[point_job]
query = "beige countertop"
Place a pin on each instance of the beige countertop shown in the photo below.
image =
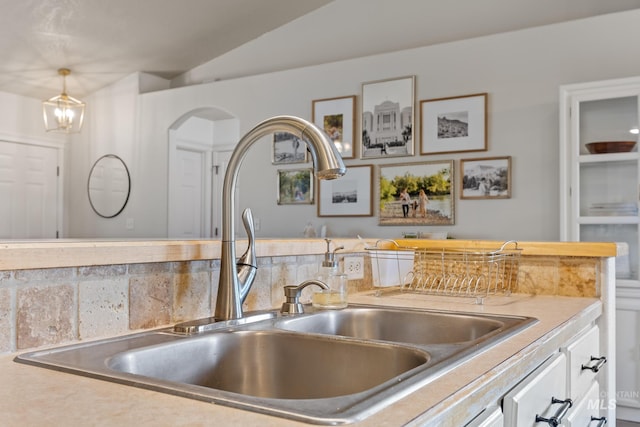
(33, 396)
(18, 255)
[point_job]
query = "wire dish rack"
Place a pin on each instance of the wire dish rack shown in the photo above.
(476, 273)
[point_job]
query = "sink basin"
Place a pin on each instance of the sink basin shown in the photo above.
(325, 367)
(271, 364)
(406, 326)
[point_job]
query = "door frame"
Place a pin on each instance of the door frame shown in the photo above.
(205, 150)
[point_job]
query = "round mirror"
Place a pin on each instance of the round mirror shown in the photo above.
(109, 186)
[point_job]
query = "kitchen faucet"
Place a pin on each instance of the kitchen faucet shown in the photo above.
(236, 278)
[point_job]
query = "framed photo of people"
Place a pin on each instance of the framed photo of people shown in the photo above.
(351, 195)
(337, 117)
(456, 124)
(488, 178)
(387, 118)
(416, 193)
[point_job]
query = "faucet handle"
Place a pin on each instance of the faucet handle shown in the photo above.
(292, 304)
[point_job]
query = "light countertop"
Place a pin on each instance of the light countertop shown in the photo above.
(33, 396)
(18, 255)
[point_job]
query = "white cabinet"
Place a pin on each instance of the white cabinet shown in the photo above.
(584, 361)
(491, 417)
(541, 395)
(599, 192)
(599, 195)
(628, 354)
(564, 390)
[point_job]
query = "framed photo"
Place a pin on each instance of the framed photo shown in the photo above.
(288, 148)
(457, 124)
(351, 195)
(416, 193)
(488, 178)
(337, 116)
(387, 118)
(295, 187)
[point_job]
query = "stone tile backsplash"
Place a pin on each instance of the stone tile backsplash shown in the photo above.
(46, 307)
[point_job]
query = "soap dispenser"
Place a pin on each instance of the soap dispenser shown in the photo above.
(336, 295)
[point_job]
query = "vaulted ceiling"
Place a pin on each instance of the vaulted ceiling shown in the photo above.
(102, 41)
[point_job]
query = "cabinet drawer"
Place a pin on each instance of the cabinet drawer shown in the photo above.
(586, 409)
(489, 418)
(583, 367)
(533, 396)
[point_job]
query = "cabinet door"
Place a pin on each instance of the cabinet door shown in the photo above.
(533, 397)
(628, 351)
(583, 356)
(586, 409)
(599, 168)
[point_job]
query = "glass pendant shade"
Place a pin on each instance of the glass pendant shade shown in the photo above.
(63, 113)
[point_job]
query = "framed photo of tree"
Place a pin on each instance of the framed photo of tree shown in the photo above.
(416, 193)
(295, 187)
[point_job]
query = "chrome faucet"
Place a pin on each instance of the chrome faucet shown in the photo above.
(236, 278)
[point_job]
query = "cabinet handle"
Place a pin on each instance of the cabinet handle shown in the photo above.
(603, 420)
(556, 420)
(595, 368)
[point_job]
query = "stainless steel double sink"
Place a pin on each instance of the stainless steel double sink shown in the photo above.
(323, 367)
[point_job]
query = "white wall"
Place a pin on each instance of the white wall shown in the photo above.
(521, 71)
(109, 128)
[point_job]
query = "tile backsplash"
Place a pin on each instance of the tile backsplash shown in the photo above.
(45, 307)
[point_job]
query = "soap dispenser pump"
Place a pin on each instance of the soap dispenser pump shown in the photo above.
(336, 296)
(330, 257)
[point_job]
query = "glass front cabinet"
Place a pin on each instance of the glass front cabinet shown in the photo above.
(599, 162)
(599, 198)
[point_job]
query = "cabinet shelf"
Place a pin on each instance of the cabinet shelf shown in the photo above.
(609, 157)
(608, 220)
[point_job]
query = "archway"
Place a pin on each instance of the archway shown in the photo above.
(200, 143)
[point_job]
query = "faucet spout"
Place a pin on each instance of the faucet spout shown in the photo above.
(236, 279)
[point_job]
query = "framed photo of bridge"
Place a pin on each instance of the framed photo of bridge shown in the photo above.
(351, 195)
(454, 125)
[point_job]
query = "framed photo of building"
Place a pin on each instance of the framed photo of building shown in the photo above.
(351, 195)
(295, 187)
(288, 148)
(387, 118)
(416, 193)
(488, 178)
(337, 117)
(457, 124)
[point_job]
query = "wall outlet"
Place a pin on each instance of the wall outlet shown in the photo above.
(354, 267)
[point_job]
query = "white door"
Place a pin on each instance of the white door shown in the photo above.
(188, 198)
(28, 191)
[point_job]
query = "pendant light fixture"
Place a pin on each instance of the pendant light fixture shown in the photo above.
(63, 113)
